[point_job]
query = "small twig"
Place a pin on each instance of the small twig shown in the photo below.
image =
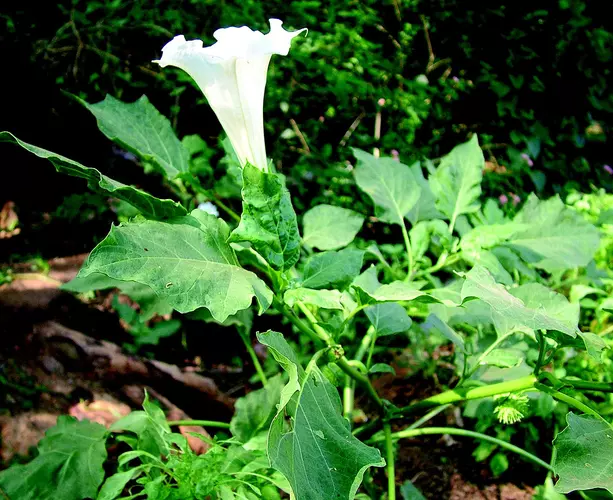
(80, 45)
(431, 56)
(393, 40)
(351, 129)
(301, 137)
(397, 10)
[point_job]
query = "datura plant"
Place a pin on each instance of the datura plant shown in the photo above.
(501, 298)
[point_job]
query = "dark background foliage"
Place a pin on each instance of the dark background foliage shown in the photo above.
(528, 77)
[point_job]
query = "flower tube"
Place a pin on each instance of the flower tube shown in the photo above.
(232, 75)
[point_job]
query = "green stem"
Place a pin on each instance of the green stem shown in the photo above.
(486, 353)
(371, 350)
(569, 400)
(296, 321)
(584, 385)
(362, 380)
(542, 344)
(355, 311)
(348, 396)
(226, 209)
(342, 361)
(452, 223)
(443, 261)
(254, 358)
(429, 431)
(460, 394)
(201, 423)
(407, 244)
(365, 344)
(321, 333)
(389, 453)
(194, 182)
(431, 414)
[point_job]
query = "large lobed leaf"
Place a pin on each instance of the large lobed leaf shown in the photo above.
(142, 130)
(553, 237)
(317, 454)
(268, 220)
(510, 312)
(583, 457)
(456, 184)
(391, 185)
(186, 261)
(327, 227)
(68, 466)
(148, 205)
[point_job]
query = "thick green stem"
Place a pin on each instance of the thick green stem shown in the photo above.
(390, 462)
(200, 423)
(254, 359)
(342, 361)
(429, 431)
(348, 396)
(584, 385)
(407, 244)
(296, 321)
(457, 395)
(362, 380)
(569, 400)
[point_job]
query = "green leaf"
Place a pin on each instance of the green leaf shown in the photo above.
(499, 463)
(115, 484)
(391, 185)
(149, 425)
(396, 291)
(424, 233)
(314, 449)
(388, 318)
(268, 220)
(332, 269)
(409, 492)
(326, 299)
(503, 358)
(456, 184)
(329, 228)
(554, 237)
(510, 312)
(425, 208)
(434, 322)
(186, 261)
(141, 129)
(68, 466)
(255, 411)
(381, 368)
(582, 454)
(537, 296)
(148, 205)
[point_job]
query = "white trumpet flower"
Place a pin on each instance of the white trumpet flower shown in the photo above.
(232, 75)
